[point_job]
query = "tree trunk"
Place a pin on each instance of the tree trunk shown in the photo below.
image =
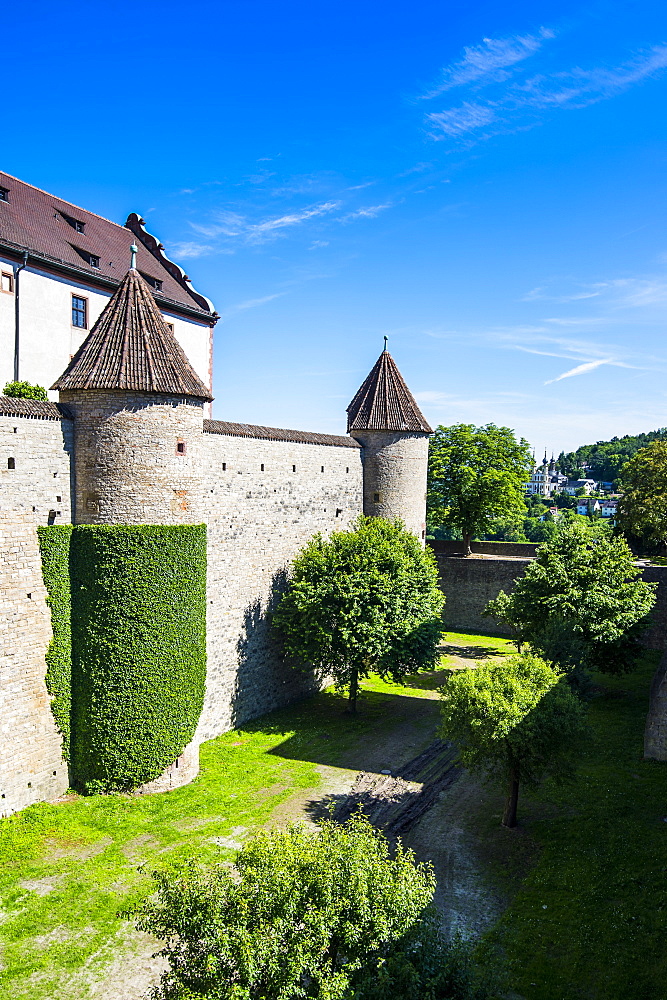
(509, 816)
(354, 691)
(466, 544)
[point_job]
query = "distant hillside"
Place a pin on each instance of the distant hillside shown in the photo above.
(605, 458)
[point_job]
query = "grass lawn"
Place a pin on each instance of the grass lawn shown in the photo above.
(583, 878)
(589, 919)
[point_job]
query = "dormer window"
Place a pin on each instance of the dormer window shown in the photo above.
(155, 283)
(4, 194)
(76, 224)
(91, 259)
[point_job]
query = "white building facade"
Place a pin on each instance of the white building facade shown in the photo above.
(59, 266)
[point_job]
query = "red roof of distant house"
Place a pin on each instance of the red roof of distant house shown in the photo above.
(131, 347)
(47, 227)
(384, 402)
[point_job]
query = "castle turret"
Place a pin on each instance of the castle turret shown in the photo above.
(138, 417)
(385, 419)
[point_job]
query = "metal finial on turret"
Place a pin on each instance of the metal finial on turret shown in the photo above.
(385, 342)
(134, 249)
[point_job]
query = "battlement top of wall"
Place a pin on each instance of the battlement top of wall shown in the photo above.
(35, 409)
(278, 434)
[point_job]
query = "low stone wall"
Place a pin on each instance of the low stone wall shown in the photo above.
(455, 548)
(469, 584)
(655, 734)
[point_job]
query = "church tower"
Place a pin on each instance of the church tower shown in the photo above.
(138, 417)
(385, 419)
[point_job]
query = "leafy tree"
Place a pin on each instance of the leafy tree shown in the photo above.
(24, 390)
(329, 915)
(515, 720)
(642, 510)
(363, 601)
(476, 475)
(580, 602)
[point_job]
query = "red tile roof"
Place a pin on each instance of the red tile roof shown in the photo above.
(41, 223)
(131, 347)
(277, 434)
(384, 402)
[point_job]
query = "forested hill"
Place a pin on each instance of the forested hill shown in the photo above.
(605, 458)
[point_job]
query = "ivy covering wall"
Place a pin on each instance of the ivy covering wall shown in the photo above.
(54, 544)
(138, 646)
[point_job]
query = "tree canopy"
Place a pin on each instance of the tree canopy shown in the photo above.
(363, 601)
(580, 602)
(476, 476)
(328, 915)
(605, 459)
(514, 719)
(642, 510)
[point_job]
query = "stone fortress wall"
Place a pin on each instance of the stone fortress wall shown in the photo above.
(35, 461)
(262, 498)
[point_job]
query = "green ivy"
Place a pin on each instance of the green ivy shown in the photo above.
(137, 648)
(54, 544)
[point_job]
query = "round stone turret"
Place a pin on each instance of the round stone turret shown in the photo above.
(138, 411)
(385, 419)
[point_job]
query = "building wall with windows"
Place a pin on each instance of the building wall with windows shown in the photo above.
(49, 330)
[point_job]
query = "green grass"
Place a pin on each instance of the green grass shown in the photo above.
(585, 875)
(91, 848)
(589, 921)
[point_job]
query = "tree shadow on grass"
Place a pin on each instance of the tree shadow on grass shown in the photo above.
(382, 735)
(472, 652)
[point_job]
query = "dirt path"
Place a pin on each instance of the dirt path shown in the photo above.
(406, 780)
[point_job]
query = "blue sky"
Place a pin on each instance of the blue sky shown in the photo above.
(483, 183)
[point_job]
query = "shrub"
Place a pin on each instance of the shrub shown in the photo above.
(327, 915)
(24, 390)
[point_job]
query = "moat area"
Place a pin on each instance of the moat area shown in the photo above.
(574, 898)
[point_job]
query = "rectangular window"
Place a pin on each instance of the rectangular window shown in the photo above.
(4, 194)
(94, 261)
(80, 312)
(7, 281)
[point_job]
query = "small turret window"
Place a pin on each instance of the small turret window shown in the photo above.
(377, 498)
(180, 447)
(11, 463)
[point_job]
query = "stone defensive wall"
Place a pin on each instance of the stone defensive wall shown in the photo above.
(470, 583)
(264, 492)
(267, 491)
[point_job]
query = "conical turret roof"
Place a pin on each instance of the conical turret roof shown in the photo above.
(130, 347)
(384, 402)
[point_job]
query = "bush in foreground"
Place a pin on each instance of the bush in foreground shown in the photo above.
(331, 915)
(363, 601)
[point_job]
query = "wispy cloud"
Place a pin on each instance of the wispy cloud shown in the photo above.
(234, 226)
(249, 304)
(489, 61)
(189, 249)
(588, 366)
(516, 103)
(368, 212)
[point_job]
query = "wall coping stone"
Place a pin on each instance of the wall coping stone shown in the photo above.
(278, 434)
(36, 409)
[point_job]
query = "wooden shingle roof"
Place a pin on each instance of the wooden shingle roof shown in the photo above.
(384, 402)
(131, 348)
(231, 429)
